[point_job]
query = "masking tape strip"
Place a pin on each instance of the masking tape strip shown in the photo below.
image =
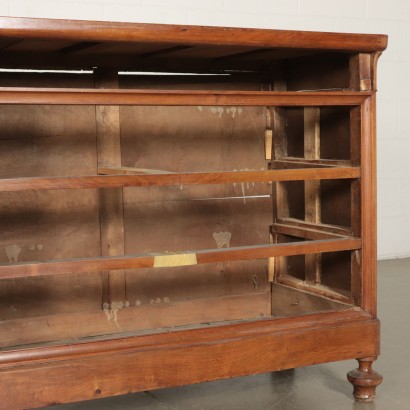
(268, 144)
(181, 259)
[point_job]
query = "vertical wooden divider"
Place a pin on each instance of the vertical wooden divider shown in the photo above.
(311, 123)
(360, 80)
(355, 204)
(360, 72)
(110, 199)
(268, 158)
(277, 115)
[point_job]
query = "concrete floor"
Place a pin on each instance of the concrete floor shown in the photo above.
(311, 388)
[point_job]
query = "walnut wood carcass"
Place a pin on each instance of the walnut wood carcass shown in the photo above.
(181, 204)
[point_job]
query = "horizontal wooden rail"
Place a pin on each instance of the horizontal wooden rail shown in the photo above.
(130, 171)
(192, 178)
(316, 289)
(194, 257)
(199, 336)
(73, 96)
(336, 229)
(285, 164)
(304, 232)
(322, 161)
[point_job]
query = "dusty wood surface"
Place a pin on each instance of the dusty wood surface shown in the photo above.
(111, 200)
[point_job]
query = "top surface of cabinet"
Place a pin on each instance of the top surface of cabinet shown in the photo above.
(47, 43)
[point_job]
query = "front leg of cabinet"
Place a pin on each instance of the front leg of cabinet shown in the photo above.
(364, 380)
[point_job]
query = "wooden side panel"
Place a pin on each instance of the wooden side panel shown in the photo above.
(368, 200)
(356, 205)
(335, 133)
(328, 133)
(295, 131)
(336, 271)
(335, 196)
(335, 144)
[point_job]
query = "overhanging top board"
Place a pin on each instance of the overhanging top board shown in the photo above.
(74, 43)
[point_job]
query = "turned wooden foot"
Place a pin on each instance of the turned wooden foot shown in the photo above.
(364, 380)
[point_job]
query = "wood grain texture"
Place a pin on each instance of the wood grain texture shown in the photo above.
(368, 210)
(364, 380)
(280, 198)
(225, 353)
(326, 162)
(313, 232)
(162, 97)
(120, 170)
(184, 128)
(356, 217)
(360, 77)
(337, 230)
(44, 354)
(203, 256)
(17, 27)
(113, 181)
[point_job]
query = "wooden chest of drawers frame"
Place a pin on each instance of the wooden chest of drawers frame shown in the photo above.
(39, 372)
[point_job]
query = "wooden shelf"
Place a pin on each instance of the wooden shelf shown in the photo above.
(323, 228)
(311, 233)
(185, 258)
(289, 163)
(316, 289)
(159, 179)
